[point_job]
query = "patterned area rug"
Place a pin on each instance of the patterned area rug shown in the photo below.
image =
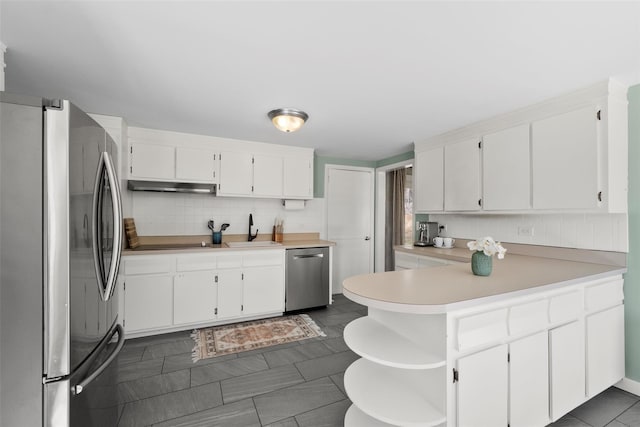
(227, 339)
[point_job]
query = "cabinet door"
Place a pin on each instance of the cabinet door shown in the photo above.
(194, 164)
(567, 369)
(148, 302)
(194, 297)
(483, 388)
(429, 180)
(605, 349)
(267, 175)
(236, 173)
(150, 161)
(229, 293)
(263, 290)
(565, 161)
(529, 381)
(298, 177)
(506, 171)
(462, 176)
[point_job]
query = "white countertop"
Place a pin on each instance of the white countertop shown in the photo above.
(287, 244)
(443, 289)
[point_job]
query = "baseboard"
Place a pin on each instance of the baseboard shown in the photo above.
(628, 385)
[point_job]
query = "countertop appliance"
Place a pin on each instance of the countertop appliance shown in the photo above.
(425, 232)
(306, 278)
(60, 244)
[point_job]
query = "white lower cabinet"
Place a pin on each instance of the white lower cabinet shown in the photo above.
(195, 297)
(406, 261)
(148, 302)
(483, 388)
(170, 292)
(521, 362)
(566, 368)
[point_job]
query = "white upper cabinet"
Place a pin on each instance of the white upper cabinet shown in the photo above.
(236, 173)
(196, 164)
(566, 154)
(429, 180)
(298, 177)
(506, 170)
(152, 161)
(462, 176)
(267, 175)
(565, 161)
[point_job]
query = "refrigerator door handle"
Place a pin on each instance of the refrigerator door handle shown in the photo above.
(116, 329)
(106, 285)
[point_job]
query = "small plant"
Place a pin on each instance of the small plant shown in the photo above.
(488, 246)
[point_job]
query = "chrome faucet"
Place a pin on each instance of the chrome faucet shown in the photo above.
(252, 236)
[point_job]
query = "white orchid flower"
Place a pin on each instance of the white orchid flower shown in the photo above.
(488, 246)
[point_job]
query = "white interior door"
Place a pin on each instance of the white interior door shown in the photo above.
(349, 194)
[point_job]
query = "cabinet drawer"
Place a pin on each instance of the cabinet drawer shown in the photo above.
(229, 261)
(195, 262)
(263, 259)
(565, 307)
(482, 328)
(148, 265)
(528, 317)
(603, 295)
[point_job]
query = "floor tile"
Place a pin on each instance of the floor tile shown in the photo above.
(569, 421)
(238, 414)
(130, 354)
(327, 416)
(631, 417)
(168, 349)
(605, 407)
(158, 339)
(171, 405)
(239, 388)
(336, 344)
(153, 386)
(178, 362)
(227, 369)
(616, 423)
(291, 401)
(326, 365)
(298, 353)
(338, 379)
(137, 370)
(289, 422)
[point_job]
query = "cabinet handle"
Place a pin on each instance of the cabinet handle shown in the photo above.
(367, 238)
(599, 196)
(480, 202)
(216, 279)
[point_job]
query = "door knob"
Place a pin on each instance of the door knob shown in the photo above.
(367, 238)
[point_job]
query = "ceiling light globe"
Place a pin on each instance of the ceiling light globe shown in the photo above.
(288, 119)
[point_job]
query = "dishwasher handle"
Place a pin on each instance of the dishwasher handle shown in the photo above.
(308, 256)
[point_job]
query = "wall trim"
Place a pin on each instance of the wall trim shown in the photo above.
(629, 386)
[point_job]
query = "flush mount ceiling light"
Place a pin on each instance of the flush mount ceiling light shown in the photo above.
(288, 119)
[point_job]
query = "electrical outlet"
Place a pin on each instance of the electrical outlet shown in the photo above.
(525, 230)
(442, 228)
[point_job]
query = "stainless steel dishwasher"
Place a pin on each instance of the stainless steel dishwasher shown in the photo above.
(307, 278)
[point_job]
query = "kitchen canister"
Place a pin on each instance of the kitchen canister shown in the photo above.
(481, 264)
(217, 237)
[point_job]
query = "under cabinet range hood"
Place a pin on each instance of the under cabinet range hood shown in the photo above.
(171, 187)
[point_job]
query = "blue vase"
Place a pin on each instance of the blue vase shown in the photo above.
(481, 264)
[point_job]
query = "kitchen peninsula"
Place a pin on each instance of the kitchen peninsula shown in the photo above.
(524, 346)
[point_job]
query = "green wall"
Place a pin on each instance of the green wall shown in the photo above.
(395, 159)
(632, 278)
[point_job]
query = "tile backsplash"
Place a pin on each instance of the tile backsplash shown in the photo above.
(606, 232)
(161, 214)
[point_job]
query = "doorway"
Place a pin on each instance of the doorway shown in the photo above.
(394, 212)
(349, 191)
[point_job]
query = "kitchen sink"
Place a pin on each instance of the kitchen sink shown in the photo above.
(253, 244)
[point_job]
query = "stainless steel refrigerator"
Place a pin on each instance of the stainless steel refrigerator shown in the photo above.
(60, 246)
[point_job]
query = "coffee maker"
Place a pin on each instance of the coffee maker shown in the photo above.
(425, 232)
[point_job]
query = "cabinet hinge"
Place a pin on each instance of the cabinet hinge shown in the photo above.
(220, 157)
(124, 322)
(480, 144)
(214, 157)
(214, 174)
(216, 280)
(130, 169)
(242, 276)
(455, 375)
(599, 115)
(253, 160)
(215, 311)
(131, 150)
(124, 286)
(252, 188)
(508, 357)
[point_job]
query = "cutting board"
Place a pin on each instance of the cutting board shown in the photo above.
(131, 233)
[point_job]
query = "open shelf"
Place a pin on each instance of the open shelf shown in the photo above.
(377, 343)
(356, 418)
(396, 396)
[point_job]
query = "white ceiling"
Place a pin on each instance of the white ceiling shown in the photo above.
(373, 76)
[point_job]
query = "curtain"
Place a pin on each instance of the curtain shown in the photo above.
(394, 227)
